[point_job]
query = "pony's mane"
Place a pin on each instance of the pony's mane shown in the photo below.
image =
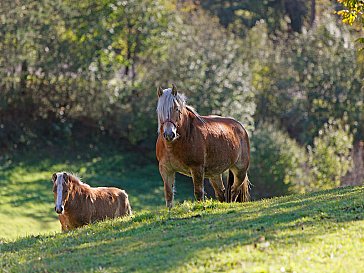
(76, 180)
(165, 106)
(194, 112)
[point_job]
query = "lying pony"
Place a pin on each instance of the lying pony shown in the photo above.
(78, 204)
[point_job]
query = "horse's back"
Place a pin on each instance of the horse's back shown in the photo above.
(223, 131)
(224, 124)
(226, 141)
(111, 202)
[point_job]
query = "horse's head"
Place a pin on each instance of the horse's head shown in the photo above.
(61, 189)
(169, 109)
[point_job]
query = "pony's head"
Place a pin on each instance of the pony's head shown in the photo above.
(61, 190)
(169, 109)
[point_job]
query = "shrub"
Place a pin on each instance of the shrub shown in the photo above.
(330, 155)
(276, 162)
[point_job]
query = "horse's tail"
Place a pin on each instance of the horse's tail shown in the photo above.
(128, 207)
(124, 207)
(244, 195)
(230, 183)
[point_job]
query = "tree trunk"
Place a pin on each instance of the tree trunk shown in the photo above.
(313, 13)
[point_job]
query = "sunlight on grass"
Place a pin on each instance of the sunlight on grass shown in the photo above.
(319, 232)
(26, 198)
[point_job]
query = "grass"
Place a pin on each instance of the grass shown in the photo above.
(317, 232)
(26, 198)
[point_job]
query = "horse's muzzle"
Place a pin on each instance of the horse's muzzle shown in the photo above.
(59, 210)
(169, 136)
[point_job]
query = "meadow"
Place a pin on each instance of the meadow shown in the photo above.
(26, 198)
(317, 232)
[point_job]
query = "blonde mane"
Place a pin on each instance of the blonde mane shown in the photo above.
(165, 105)
(75, 180)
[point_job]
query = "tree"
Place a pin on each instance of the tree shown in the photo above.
(280, 15)
(353, 12)
(207, 63)
(276, 163)
(308, 79)
(330, 157)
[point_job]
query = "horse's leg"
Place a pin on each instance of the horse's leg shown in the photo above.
(198, 178)
(240, 186)
(218, 185)
(168, 180)
(63, 221)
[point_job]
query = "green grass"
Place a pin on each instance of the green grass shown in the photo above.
(317, 232)
(320, 232)
(26, 198)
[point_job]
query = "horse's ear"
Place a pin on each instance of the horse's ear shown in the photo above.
(54, 177)
(65, 177)
(174, 90)
(159, 91)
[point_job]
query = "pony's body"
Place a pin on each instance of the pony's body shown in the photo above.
(204, 146)
(83, 204)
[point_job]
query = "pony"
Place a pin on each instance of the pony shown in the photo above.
(200, 147)
(78, 204)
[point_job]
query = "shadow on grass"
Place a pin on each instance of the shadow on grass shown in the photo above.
(154, 242)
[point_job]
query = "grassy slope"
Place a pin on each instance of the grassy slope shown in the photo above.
(320, 232)
(26, 198)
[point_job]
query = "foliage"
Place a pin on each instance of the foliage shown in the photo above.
(330, 156)
(85, 70)
(354, 11)
(303, 233)
(280, 15)
(276, 163)
(208, 65)
(305, 82)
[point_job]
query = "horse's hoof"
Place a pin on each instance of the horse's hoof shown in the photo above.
(169, 205)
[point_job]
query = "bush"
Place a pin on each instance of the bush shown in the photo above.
(330, 156)
(210, 66)
(310, 77)
(276, 163)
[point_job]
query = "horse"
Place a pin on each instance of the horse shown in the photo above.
(78, 204)
(200, 146)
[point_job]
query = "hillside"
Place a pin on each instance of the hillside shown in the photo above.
(319, 232)
(26, 198)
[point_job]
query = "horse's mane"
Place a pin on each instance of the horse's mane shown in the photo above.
(75, 180)
(194, 112)
(165, 106)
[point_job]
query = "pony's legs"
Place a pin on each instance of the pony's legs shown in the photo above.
(168, 180)
(218, 185)
(63, 221)
(240, 186)
(198, 178)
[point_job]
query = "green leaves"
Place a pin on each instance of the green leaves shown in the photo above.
(330, 155)
(353, 12)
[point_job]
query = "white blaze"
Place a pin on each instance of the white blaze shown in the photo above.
(59, 190)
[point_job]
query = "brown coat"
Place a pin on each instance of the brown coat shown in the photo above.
(206, 146)
(84, 204)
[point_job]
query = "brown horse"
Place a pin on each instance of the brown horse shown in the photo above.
(78, 204)
(200, 146)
